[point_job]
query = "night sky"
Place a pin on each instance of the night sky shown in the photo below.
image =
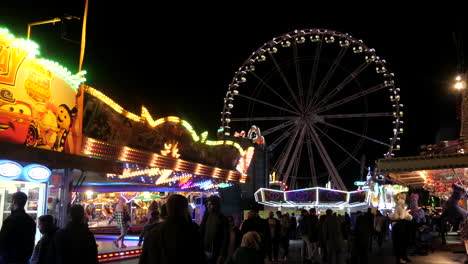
(180, 61)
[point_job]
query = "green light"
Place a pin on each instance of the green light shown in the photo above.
(33, 50)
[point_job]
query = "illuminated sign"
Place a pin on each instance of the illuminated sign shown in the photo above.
(134, 173)
(129, 196)
(360, 183)
(38, 98)
(10, 170)
(36, 173)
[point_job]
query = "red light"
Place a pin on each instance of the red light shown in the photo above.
(99, 256)
(105, 256)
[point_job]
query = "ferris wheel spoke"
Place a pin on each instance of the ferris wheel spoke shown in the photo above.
(350, 98)
(363, 115)
(275, 92)
(265, 103)
(277, 141)
(298, 76)
(286, 154)
(333, 172)
(329, 74)
(285, 79)
(337, 144)
(356, 134)
(345, 82)
(266, 118)
(313, 75)
(295, 159)
(278, 127)
(310, 151)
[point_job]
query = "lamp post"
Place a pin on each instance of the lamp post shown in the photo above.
(57, 19)
(460, 85)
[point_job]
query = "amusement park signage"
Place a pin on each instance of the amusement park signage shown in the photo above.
(38, 99)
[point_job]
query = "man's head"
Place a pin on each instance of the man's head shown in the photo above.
(77, 213)
(278, 214)
(213, 204)
(312, 211)
(155, 215)
(329, 212)
(304, 212)
(177, 206)
(271, 214)
(252, 214)
(18, 200)
(46, 223)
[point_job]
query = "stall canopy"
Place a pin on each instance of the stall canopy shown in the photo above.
(435, 173)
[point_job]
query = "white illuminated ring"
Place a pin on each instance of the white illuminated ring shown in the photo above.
(36, 173)
(10, 170)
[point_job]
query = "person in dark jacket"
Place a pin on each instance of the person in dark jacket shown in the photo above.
(42, 254)
(275, 230)
(17, 233)
(255, 223)
(175, 240)
(214, 230)
(74, 243)
(235, 236)
(153, 221)
(362, 231)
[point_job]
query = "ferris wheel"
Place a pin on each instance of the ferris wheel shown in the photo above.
(323, 101)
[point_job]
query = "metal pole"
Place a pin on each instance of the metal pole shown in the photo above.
(83, 36)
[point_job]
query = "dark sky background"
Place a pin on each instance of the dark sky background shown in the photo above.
(179, 61)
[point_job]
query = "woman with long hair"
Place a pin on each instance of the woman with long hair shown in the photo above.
(122, 217)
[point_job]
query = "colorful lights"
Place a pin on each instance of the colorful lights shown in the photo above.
(104, 150)
(316, 196)
(146, 117)
(32, 50)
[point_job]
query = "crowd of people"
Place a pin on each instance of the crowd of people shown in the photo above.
(170, 235)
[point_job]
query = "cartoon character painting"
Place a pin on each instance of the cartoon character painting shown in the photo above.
(65, 117)
(15, 122)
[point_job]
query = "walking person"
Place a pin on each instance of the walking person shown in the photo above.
(275, 228)
(74, 243)
(313, 232)
(175, 240)
(379, 222)
(362, 231)
(284, 235)
(17, 233)
(214, 229)
(303, 230)
(47, 227)
(235, 236)
(293, 226)
(122, 217)
(334, 238)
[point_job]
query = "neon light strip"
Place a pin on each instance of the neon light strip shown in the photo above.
(92, 147)
(146, 117)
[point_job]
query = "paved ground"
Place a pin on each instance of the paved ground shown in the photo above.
(451, 253)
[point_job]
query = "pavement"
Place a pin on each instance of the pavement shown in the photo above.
(453, 252)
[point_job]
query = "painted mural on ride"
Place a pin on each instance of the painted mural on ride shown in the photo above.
(38, 98)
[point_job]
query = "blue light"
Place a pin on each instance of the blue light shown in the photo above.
(36, 173)
(10, 170)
